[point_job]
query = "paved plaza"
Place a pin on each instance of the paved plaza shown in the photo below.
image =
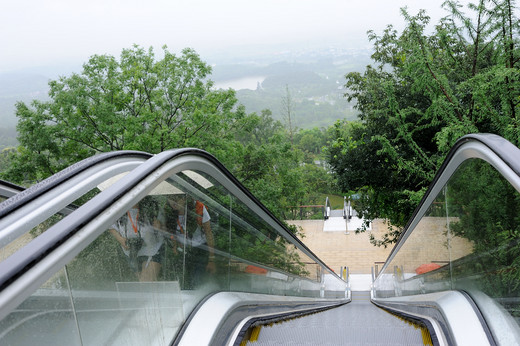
(339, 245)
(344, 247)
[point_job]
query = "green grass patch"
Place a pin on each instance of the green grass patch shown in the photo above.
(336, 201)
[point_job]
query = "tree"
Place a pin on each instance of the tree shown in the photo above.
(134, 103)
(287, 111)
(141, 103)
(483, 207)
(278, 180)
(311, 142)
(424, 92)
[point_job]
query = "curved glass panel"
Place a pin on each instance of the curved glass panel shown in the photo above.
(139, 280)
(467, 240)
(43, 211)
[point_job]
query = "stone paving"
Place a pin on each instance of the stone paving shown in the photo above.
(342, 248)
(428, 243)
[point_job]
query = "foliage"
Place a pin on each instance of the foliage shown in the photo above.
(281, 180)
(134, 103)
(142, 103)
(424, 92)
(486, 209)
(311, 142)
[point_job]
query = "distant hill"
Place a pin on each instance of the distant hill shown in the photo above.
(315, 85)
(315, 82)
(17, 84)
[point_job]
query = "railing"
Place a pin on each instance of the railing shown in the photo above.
(305, 212)
(461, 249)
(347, 208)
(326, 211)
(207, 248)
(8, 189)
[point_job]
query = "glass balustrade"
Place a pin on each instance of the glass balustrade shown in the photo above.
(467, 240)
(143, 275)
(32, 216)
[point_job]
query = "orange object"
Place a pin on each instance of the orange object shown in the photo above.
(427, 267)
(199, 210)
(255, 270)
(132, 221)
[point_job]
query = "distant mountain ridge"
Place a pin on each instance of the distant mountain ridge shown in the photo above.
(316, 87)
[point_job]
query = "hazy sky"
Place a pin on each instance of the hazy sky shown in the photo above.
(42, 32)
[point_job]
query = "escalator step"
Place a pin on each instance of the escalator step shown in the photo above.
(357, 323)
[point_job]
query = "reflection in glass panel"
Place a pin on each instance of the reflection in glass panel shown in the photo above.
(24, 238)
(487, 208)
(189, 237)
(126, 285)
(268, 262)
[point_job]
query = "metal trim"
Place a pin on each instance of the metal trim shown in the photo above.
(451, 313)
(59, 178)
(32, 208)
(224, 314)
(8, 189)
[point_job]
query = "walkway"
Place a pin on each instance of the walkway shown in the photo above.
(342, 248)
(336, 222)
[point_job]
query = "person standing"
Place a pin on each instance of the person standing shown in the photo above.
(140, 242)
(194, 237)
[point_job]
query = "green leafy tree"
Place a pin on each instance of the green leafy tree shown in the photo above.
(484, 208)
(134, 103)
(138, 102)
(268, 164)
(311, 142)
(424, 92)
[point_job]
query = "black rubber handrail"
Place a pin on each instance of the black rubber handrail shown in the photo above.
(26, 196)
(21, 261)
(12, 186)
(17, 189)
(504, 149)
(8, 189)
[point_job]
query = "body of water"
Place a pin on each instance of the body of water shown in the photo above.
(250, 82)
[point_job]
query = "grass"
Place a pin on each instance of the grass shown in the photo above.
(336, 201)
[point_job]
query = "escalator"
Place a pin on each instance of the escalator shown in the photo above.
(63, 276)
(357, 323)
(224, 270)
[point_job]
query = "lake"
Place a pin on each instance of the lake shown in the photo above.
(249, 82)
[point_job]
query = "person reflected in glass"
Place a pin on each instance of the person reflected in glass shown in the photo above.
(140, 242)
(193, 235)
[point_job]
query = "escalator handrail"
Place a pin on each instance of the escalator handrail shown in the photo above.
(14, 188)
(326, 212)
(501, 147)
(21, 261)
(27, 195)
(8, 189)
